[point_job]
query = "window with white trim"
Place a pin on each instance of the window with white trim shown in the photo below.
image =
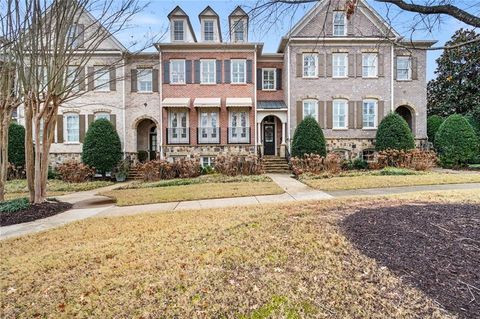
(369, 113)
(310, 62)
(339, 23)
(238, 31)
(310, 108)
(369, 65)
(239, 70)
(178, 30)
(239, 129)
(404, 68)
(145, 80)
(340, 65)
(178, 130)
(208, 161)
(269, 79)
(208, 30)
(177, 71)
(72, 74)
(208, 128)
(340, 114)
(101, 80)
(207, 74)
(72, 127)
(102, 115)
(73, 36)
(42, 77)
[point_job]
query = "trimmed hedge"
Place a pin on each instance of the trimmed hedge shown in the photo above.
(456, 142)
(102, 148)
(308, 139)
(394, 133)
(433, 124)
(16, 145)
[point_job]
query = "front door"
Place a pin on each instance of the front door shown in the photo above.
(269, 139)
(153, 144)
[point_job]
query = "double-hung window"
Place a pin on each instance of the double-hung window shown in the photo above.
(178, 30)
(340, 65)
(404, 69)
(178, 129)
(102, 115)
(208, 161)
(208, 130)
(239, 131)
(310, 108)
(369, 111)
(72, 79)
(101, 79)
(72, 127)
(207, 71)
(310, 61)
(369, 65)
(238, 31)
(208, 30)
(144, 80)
(340, 114)
(268, 79)
(177, 71)
(239, 70)
(339, 23)
(73, 36)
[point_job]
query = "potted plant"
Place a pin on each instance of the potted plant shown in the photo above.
(121, 171)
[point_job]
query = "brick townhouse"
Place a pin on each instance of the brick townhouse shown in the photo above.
(215, 92)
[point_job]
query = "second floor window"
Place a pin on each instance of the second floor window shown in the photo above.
(340, 65)
(208, 33)
(144, 80)
(310, 65)
(72, 74)
(238, 71)
(101, 79)
(178, 31)
(369, 65)
(238, 29)
(268, 81)
(207, 71)
(72, 128)
(177, 71)
(339, 25)
(340, 114)
(404, 71)
(74, 36)
(369, 113)
(310, 109)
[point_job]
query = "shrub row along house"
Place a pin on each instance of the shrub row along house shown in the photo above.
(204, 95)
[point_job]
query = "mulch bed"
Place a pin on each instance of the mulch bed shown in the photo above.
(34, 212)
(436, 248)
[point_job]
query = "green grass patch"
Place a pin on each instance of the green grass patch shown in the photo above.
(395, 171)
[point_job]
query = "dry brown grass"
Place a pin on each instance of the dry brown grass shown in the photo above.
(376, 181)
(150, 195)
(284, 261)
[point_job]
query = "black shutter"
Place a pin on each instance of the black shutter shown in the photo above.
(197, 71)
(226, 73)
(188, 71)
(166, 72)
(219, 71)
(155, 80)
(279, 79)
(259, 79)
(249, 71)
(133, 80)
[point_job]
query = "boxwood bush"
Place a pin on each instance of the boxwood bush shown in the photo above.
(433, 124)
(394, 133)
(456, 142)
(308, 139)
(16, 145)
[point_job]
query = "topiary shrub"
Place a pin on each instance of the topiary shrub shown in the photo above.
(456, 142)
(394, 133)
(433, 123)
(475, 123)
(102, 148)
(16, 145)
(308, 139)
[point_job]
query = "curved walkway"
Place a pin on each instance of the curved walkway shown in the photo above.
(88, 204)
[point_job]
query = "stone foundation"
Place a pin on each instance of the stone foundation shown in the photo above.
(58, 158)
(171, 151)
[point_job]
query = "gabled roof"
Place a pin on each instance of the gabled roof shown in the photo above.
(209, 12)
(238, 12)
(178, 12)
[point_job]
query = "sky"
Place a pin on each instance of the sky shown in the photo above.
(153, 22)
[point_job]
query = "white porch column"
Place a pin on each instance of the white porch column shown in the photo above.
(283, 145)
(259, 133)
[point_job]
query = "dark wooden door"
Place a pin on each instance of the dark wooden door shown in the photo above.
(153, 145)
(269, 139)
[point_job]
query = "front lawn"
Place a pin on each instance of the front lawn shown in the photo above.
(202, 187)
(280, 261)
(374, 179)
(18, 188)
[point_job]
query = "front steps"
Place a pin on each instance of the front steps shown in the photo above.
(134, 174)
(275, 164)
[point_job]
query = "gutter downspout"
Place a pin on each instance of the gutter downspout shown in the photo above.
(254, 71)
(392, 77)
(123, 109)
(160, 78)
(288, 96)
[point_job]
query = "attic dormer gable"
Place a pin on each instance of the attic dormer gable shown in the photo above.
(210, 25)
(180, 27)
(238, 24)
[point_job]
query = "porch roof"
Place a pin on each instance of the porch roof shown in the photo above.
(271, 105)
(207, 102)
(239, 102)
(176, 102)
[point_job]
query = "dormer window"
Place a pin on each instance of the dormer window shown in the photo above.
(178, 30)
(208, 30)
(339, 23)
(238, 31)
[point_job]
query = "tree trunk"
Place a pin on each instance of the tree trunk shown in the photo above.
(29, 155)
(5, 115)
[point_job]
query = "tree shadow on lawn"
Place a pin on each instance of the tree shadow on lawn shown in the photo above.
(436, 248)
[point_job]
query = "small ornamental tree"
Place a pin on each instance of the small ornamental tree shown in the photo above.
(308, 139)
(16, 145)
(456, 142)
(433, 123)
(394, 133)
(102, 148)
